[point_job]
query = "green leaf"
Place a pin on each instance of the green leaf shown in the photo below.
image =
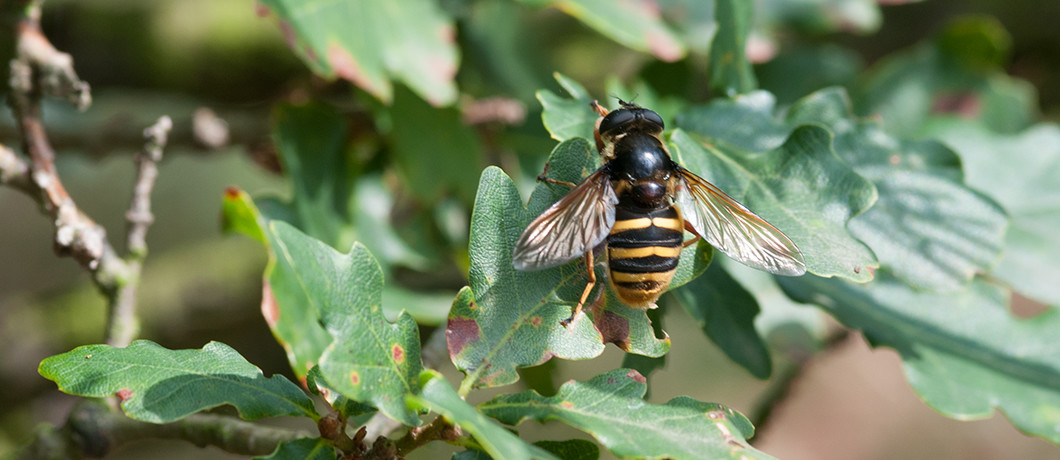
(370, 360)
(571, 449)
(311, 141)
(303, 449)
(568, 117)
(745, 122)
(500, 321)
(641, 363)
(730, 70)
(726, 312)
(507, 318)
(820, 16)
(937, 80)
(801, 187)
(963, 352)
(931, 230)
(471, 454)
(507, 52)
(330, 199)
(693, 21)
(804, 69)
(370, 43)
(439, 397)
(288, 309)
(435, 151)
(343, 405)
(372, 227)
(1020, 172)
(792, 330)
(637, 25)
(610, 408)
(159, 385)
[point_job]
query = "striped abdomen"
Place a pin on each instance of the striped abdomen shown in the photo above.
(643, 249)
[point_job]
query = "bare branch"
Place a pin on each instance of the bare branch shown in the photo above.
(94, 430)
(139, 215)
(76, 234)
(123, 324)
(55, 68)
(14, 172)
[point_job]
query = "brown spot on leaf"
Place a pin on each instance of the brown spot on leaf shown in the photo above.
(535, 321)
(347, 67)
(124, 394)
(964, 104)
(664, 46)
(613, 329)
(355, 378)
(269, 308)
(231, 193)
(547, 355)
(458, 333)
(759, 50)
(261, 10)
(636, 376)
(289, 37)
(567, 405)
(398, 353)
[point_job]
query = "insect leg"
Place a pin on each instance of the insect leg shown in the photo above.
(541, 177)
(588, 288)
(596, 127)
(598, 108)
(695, 236)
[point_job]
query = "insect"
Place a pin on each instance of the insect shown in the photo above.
(637, 207)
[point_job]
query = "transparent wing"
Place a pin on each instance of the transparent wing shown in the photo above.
(733, 229)
(570, 227)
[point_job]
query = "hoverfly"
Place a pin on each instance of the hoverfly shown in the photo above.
(637, 206)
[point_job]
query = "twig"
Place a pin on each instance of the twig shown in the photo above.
(94, 430)
(14, 172)
(439, 428)
(38, 70)
(55, 69)
(139, 215)
(123, 325)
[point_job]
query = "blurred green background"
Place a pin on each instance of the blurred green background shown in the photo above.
(145, 59)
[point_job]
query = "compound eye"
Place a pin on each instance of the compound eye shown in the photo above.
(616, 119)
(651, 117)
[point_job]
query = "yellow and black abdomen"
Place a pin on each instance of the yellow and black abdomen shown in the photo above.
(643, 249)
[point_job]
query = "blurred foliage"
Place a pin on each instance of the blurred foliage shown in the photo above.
(914, 170)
